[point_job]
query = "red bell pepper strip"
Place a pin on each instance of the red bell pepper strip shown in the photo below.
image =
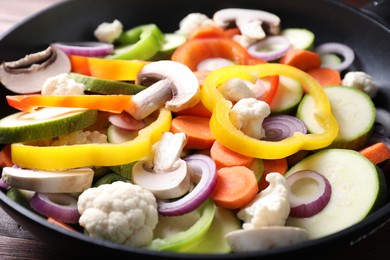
(109, 103)
(197, 49)
(212, 42)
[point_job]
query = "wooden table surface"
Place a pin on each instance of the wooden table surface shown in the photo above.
(17, 243)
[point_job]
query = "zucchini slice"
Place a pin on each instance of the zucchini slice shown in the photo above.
(44, 123)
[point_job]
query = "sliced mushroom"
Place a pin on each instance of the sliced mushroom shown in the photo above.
(28, 74)
(170, 83)
(168, 176)
(252, 23)
(265, 238)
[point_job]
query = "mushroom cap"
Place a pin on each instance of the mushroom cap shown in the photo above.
(248, 21)
(185, 87)
(41, 65)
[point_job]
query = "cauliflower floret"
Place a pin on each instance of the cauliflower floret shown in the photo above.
(109, 32)
(270, 207)
(81, 137)
(248, 114)
(362, 81)
(120, 212)
(192, 22)
(235, 89)
(62, 84)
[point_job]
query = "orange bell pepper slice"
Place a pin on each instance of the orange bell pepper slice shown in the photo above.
(109, 69)
(109, 103)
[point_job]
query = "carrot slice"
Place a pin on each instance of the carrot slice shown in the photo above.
(275, 165)
(301, 59)
(376, 153)
(236, 187)
(197, 129)
(61, 224)
(224, 157)
(326, 76)
(198, 110)
(5, 156)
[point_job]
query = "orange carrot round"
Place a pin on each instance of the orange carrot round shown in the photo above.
(198, 110)
(326, 76)
(197, 129)
(236, 187)
(224, 157)
(301, 59)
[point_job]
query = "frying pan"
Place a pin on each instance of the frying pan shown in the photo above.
(363, 30)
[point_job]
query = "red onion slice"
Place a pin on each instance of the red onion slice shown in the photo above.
(90, 49)
(279, 127)
(126, 122)
(199, 164)
(271, 48)
(343, 50)
(59, 206)
(4, 186)
(310, 192)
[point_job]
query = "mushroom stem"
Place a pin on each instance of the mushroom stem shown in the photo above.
(169, 175)
(168, 151)
(150, 99)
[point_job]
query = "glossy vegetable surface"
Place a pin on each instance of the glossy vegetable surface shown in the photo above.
(204, 6)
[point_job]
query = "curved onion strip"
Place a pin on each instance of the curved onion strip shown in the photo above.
(279, 127)
(59, 206)
(271, 48)
(340, 49)
(126, 122)
(90, 49)
(4, 186)
(198, 164)
(310, 192)
(383, 119)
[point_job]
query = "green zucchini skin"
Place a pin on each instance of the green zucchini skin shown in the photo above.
(70, 120)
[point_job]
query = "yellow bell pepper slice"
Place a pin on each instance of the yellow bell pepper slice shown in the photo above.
(84, 155)
(225, 132)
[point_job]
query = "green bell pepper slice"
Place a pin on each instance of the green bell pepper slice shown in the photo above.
(139, 43)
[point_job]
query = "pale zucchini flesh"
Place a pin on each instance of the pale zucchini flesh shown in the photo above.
(353, 109)
(44, 123)
(357, 189)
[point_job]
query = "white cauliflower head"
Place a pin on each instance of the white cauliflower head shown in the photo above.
(362, 81)
(192, 22)
(270, 207)
(248, 115)
(120, 212)
(80, 137)
(62, 84)
(235, 89)
(109, 32)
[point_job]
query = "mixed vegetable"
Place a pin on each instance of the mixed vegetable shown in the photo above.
(231, 134)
